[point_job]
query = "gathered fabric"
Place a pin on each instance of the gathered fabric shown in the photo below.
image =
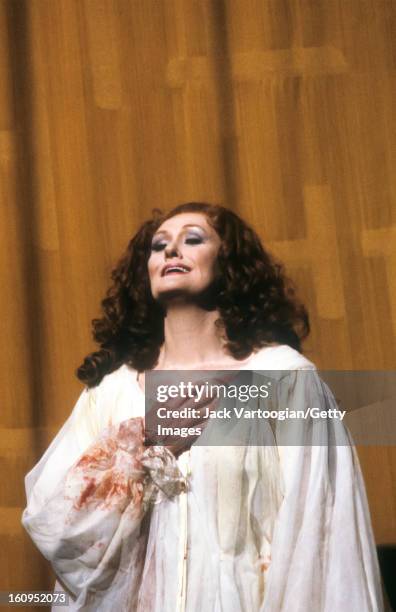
(279, 523)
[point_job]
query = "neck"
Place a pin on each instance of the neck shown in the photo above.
(190, 338)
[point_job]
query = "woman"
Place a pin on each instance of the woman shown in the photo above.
(256, 527)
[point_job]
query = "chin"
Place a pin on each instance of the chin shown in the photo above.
(204, 298)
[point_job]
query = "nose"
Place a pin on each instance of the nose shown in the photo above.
(171, 249)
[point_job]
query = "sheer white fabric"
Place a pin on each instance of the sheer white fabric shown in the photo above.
(250, 528)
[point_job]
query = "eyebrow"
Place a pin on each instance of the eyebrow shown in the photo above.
(185, 225)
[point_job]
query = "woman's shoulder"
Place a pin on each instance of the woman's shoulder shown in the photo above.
(115, 398)
(281, 357)
(119, 385)
(123, 376)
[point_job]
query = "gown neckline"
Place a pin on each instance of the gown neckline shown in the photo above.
(244, 365)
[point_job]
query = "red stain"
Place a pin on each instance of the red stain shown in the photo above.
(103, 485)
(111, 486)
(264, 563)
(131, 430)
(97, 455)
(137, 491)
(109, 491)
(88, 491)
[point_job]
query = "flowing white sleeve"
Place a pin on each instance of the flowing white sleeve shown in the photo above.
(87, 505)
(323, 556)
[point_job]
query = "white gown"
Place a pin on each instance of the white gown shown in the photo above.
(233, 528)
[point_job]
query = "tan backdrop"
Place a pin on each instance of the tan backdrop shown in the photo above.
(279, 109)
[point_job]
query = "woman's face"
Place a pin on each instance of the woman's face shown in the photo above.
(185, 240)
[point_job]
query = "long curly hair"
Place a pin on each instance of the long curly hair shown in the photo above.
(256, 301)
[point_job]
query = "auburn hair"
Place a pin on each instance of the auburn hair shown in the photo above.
(256, 301)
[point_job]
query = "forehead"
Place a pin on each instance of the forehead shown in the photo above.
(177, 222)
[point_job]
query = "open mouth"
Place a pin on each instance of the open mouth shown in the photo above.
(176, 270)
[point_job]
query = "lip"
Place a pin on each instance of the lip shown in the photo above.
(173, 265)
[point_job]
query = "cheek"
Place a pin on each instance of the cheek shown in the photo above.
(150, 269)
(210, 262)
(151, 263)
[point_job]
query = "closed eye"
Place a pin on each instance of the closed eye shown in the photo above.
(158, 246)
